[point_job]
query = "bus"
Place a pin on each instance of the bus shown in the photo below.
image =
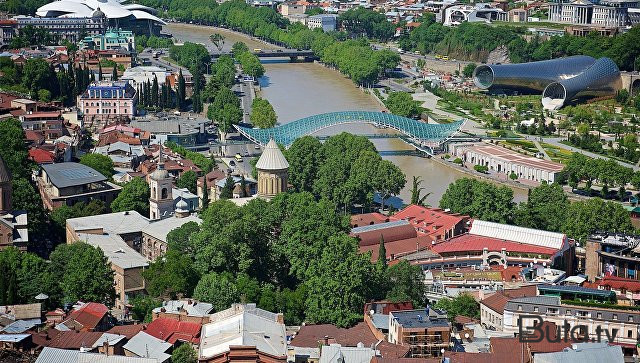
(257, 50)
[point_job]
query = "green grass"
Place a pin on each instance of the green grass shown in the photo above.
(557, 154)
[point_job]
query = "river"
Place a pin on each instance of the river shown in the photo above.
(298, 90)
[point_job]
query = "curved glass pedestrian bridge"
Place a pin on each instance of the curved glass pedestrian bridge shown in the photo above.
(417, 133)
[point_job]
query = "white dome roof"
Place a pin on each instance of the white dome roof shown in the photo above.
(182, 206)
(112, 9)
(272, 158)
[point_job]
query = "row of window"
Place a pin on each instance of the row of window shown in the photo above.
(579, 313)
(104, 104)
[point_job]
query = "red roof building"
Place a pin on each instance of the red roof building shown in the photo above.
(41, 156)
(171, 330)
(470, 244)
(434, 222)
(89, 317)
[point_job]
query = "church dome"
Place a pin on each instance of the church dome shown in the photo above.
(272, 158)
(98, 13)
(5, 174)
(159, 174)
(182, 206)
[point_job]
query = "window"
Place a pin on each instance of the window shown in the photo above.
(553, 311)
(630, 319)
(629, 333)
(568, 312)
(599, 315)
(615, 316)
(519, 307)
(535, 309)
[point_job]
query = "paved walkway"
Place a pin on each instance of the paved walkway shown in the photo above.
(556, 142)
(541, 149)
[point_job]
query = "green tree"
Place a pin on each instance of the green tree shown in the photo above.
(179, 239)
(188, 180)
(238, 48)
(463, 304)
(142, 306)
(133, 196)
(181, 92)
(83, 273)
(382, 254)
(402, 104)
(227, 190)
(546, 208)
(586, 217)
(171, 276)
(100, 163)
(406, 283)
(338, 283)
(114, 73)
(304, 157)
(218, 290)
(479, 200)
(262, 114)
(218, 40)
(184, 354)
(417, 197)
(467, 71)
(388, 180)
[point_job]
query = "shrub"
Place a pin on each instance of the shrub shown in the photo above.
(458, 161)
(481, 168)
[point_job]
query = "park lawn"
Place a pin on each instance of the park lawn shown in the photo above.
(557, 154)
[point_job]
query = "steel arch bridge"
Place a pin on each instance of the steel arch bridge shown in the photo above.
(418, 133)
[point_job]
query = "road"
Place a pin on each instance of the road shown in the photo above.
(556, 142)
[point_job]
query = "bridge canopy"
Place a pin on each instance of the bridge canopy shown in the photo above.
(421, 132)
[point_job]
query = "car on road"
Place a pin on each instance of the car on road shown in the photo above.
(238, 157)
(232, 163)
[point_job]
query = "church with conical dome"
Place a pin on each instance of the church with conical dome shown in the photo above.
(273, 171)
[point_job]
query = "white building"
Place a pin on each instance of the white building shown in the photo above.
(603, 13)
(457, 14)
(327, 22)
(142, 74)
(501, 160)
(243, 327)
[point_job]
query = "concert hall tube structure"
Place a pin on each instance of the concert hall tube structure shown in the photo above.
(601, 79)
(532, 77)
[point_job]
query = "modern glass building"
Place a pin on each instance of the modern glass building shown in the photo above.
(559, 80)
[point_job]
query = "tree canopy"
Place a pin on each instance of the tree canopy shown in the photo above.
(133, 196)
(478, 199)
(402, 104)
(100, 163)
(263, 114)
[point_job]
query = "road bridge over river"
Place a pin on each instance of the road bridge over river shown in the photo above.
(274, 53)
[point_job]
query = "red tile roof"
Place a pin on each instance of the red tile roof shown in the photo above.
(399, 248)
(497, 301)
(470, 242)
(311, 335)
(390, 234)
(430, 221)
(89, 315)
(619, 283)
(128, 331)
(359, 220)
(171, 330)
(41, 156)
(71, 339)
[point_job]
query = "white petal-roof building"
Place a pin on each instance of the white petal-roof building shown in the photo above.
(130, 16)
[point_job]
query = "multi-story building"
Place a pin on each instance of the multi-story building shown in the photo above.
(49, 124)
(7, 31)
(111, 40)
(625, 324)
(108, 101)
(611, 255)
(603, 13)
(492, 307)
(326, 22)
(70, 183)
(231, 336)
(425, 331)
(70, 29)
